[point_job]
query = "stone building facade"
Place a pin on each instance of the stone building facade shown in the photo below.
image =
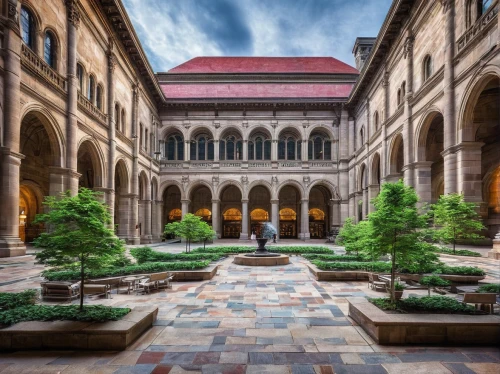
(304, 143)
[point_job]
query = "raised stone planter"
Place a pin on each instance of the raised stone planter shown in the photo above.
(443, 329)
(195, 275)
(332, 275)
(98, 336)
(261, 261)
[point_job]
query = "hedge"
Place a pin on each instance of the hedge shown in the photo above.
(10, 300)
(429, 304)
(90, 313)
(459, 270)
(277, 249)
(322, 257)
(146, 254)
(377, 266)
(489, 288)
(458, 252)
(149, 267)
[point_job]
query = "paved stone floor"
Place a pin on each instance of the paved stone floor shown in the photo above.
(250, 320)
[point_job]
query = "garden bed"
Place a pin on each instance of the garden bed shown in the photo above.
(442, 329)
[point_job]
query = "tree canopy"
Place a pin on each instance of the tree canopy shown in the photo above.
(190, 228)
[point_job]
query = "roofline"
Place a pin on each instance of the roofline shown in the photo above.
(376, 50)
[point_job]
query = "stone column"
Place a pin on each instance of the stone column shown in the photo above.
(10, 244)
(73, 15)
(468, 156)
(185, 207)
(358, 196)
(373, 191)
(304, 216)
(423, 185)
(275, 215)
(157, 218)
(366, 202)
(244, 220)
(450, 170)
(124, 226)
(495, 252)
(215, 217)
(274, 153)
(352, 138)
(305, 151)
(111, 130)
(335, 217)
(383, 152)
(245, 154)
(408, 125)
(187, 153)
(134, 221)
(216, 151)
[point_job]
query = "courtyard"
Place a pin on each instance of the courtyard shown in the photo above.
(250, 320)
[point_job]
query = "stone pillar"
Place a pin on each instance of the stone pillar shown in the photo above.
(73, 16)
(304, 217)
(185, 207)
(274, 153)
(215, 217)
(495, 252)
(423, 185)
(335, 216)
(352, 138)
(366, 202)
(244, 220)
(187, 150)
(408, 125)
(146, 228)
(111, 130)
(125, 230)
(245, 154)
(10, 243)
(157, 218)
(383, 151)
(305, 150)
(358, 196)
(468, 156)
(373, 191)
(450, 170)
(134, 221)
(216, 151)
(275, 215)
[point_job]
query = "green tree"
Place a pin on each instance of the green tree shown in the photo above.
(456, 219)
(434, 281)
(188, 229)
(358, 238)
(395, 222)
(78, 234)
(205, 233)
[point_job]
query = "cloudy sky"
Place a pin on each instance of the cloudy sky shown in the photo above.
(174, 31)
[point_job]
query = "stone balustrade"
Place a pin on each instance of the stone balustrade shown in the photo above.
(251, 164)
(91, 109)
(39, 67)
(481, 24)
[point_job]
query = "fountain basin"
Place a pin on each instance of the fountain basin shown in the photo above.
(268, 259)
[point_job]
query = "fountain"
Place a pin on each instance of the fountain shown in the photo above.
(262, 257)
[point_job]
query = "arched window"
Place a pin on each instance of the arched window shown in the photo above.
(49, 49)
(117, 117)
(141, 136)
(98, 97)
(320, 147)
(362, 137)
(231, 148)
(289, 148)
(27, 27)
(122, 121)
(174, 148)
(259, 147)
(403, 90)
(376, 120)
(91, 90)
(146, 138)
(202, 148)
(399, 97)
(79, 74)
(427, 67)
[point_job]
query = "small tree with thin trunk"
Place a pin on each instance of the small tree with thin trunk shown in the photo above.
(188, 229)
(78, 234)
(206, 233)
(395, 222)
(456, 219)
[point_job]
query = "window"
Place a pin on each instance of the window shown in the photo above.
(289, 148)
(399, 96)
(320, 147)
(231, 148)
(202, 148)
(362, 137)
(122, 121)
(403, 90)
(146, 140)
(98, 97)
(117, 117)
(376, 120)
(259, 147)
(174, 148)
(91, 90)
(483, 6)
(27, 27)
(427, 67)
(141, 136)
(49, 49)
(79, 75)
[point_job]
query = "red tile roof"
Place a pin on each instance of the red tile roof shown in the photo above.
(230, 65)
(255, 90)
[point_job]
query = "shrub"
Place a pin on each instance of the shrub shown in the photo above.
(278, 249)
(458, 252)
(379, 267)
(316, 256)
(399, 286)
(459, 270)
(430, 304)
(90, 313)
(146, 268)
(146, 254)
(20, 299)
(434, 281)
(489, 288)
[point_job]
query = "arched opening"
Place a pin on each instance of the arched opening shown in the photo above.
(319, 212)
(122, 209)
(231, 146)
(259, 145)
(397, 156)
(290, 145)
(289, 205)
(427, 68)
(201, 203)
(172, 207)
(319, 147)
(28, 27)
(38, 143)
(434, 144)
(50, 49)
(363, 193)
(202, 146)
(230, 205)
(88, 165)
(374, 186)
(259, 206)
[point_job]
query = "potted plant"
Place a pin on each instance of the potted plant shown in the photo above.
(398, 290)
(434, 281)
(268, 232)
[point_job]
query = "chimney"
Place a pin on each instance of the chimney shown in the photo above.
(361, 50)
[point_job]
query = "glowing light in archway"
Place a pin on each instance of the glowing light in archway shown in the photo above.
(259, 215)
(287, 214)
(232, 214)
(175, 215)
(317, 214)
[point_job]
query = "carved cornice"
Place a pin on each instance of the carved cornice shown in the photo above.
(73, 12)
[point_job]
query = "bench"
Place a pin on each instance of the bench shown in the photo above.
(375, 283)
(487, 299)
(60, 290)
(97, 290)
(155, 281)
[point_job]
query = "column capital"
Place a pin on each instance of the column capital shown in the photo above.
(244, 201)
(215, 201)
(111, 61)
(275, 201)
(185, 201)
(304, 200)
(73, 12)
(408, 47)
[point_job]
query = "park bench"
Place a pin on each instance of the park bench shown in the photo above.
(97, 290)
(155, 281)
(375, 283)
(482, 300)
(60, 290)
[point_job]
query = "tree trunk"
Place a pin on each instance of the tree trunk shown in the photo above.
(186, 245)
(429, 290)
(393, 273)
(82, 278)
